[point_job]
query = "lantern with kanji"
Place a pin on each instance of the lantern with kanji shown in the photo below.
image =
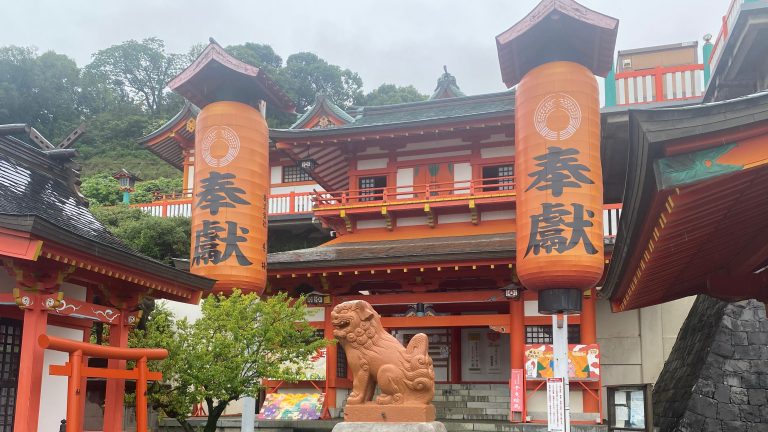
(554, 54)
(231, 185)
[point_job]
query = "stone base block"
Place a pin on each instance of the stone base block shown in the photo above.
(372, 412)
(389, 427)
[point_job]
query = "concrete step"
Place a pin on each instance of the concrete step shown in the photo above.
(505, 426)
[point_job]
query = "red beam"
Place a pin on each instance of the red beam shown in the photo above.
(100, 351)
(430, 297)
(18, 245)
(446, 321)
(90, 372)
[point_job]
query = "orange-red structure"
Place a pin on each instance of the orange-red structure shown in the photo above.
(76, 372)
(63, 273)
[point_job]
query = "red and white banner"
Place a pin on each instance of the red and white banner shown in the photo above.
(516, 392)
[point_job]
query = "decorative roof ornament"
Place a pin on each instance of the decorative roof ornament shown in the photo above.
(446, 87)
(322, 114)
(557, 30)
(215, 76)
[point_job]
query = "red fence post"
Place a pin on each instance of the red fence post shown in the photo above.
(292, 205)
(141, 396)
(74, 392)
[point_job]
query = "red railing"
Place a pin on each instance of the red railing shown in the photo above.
(180, 204)
(725, 30)
(660, 84)
(442, 191)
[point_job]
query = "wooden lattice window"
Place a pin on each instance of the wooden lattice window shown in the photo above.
(293, 173)
(341, 363)
(372, 188)
(492, 177)
(10, 356)
(543, 334)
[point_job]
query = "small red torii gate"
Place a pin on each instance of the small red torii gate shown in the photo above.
(76, 371)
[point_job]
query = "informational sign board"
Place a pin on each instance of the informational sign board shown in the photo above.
(516, 395)
(583, 362)
(555, 405)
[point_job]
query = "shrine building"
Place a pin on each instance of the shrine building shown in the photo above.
(64, 273)
(415, 204)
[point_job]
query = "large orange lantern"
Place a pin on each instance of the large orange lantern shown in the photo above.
(559, 183)
(229, 195)
(229, 198)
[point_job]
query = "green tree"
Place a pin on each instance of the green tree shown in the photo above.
(305, 75)
(239, 341)
(146, 190)
(101, 190)
(259, 55)
(40, 90)
(141, 71)
(156, 237)
(389, 94)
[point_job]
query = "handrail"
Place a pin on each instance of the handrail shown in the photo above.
(418, 191)
(659, 84)
(725, 28)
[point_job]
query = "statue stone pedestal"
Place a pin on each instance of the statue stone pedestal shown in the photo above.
(372, 412)
(389, 427)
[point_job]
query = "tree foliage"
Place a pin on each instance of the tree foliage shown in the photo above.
(223, 356)
(140, 71)
(146, 190)
(389, 94)
(160, 238)
(305, 75)
(101, 190)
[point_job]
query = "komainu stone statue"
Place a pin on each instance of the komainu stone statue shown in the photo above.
(404, 374)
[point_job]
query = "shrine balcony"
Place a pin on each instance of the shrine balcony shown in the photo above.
(288, 205)
(660, 84)
(728, 21)
(471, 195)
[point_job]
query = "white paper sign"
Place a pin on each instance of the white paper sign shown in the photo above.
(555, 405)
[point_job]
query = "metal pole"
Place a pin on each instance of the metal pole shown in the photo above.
(248, 420)
(560, 350)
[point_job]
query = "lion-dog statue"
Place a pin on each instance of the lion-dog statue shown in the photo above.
(405, 375)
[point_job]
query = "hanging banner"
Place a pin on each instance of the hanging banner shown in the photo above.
(555, 405)
(516, 394)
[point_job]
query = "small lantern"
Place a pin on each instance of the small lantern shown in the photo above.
(308, 164)
(511, 291)
(127, 182)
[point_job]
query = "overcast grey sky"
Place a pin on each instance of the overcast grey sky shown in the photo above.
(393, 41)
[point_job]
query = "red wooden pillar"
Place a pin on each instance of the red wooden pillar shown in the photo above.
(330, 361)
(30, 368)
(589, 336)
(75, 393)
(455, 355)
(113, 403)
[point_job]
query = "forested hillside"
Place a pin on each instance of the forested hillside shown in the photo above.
(121, 95)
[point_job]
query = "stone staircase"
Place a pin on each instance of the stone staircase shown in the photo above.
(472, 401)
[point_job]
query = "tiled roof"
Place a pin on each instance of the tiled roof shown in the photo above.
(437, 110)
(322, 103)
(397, 251)
(37, 194)
(446, 87)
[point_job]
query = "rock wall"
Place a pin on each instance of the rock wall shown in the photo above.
(716, 378)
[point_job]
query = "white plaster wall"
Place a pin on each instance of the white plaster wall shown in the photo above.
(497, 215)
(494, 152)
(297, 188)
(371, 223)
(453, 218)
(367, 164)
(462, 174)
(276, 174)
(635, 344)
(404, 182)
(53, 401)
(435, 155)
(484, 374)
(537, 402)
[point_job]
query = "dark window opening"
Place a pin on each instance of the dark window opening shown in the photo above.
(341, 363)
(10, 356)
(294, 173)
(372, 188)
(492, 180)
(543, 334)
